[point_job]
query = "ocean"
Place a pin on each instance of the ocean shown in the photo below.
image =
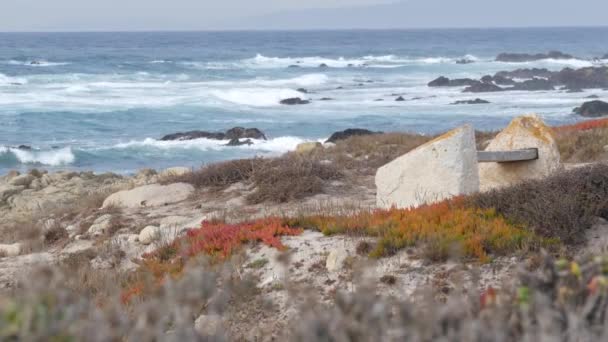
(100, 101)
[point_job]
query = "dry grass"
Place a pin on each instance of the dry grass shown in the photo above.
(562, 206)
(583, 146)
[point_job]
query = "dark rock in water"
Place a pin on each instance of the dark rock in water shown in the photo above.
(24, 147)
(584, 78)
(379, 100)
(533, 85)
(191, 135)
(16, 83)
(525, 73)
(302, 90)
(399, 99)
(350, 65)
(293, 66)
(233, 133)
(35, 63)
(446, 82)
(592, 109)
(339, 88)
(476, 101)
(525, 57)
(294, 101)
(245, 133)
(323, 65)
(464, 61)
(605, 56)
(487, 79)
(237, 142)
(351, 132)
(326, 99)
(440, 81)
(500, 80)
(480, 87)
(592, 97)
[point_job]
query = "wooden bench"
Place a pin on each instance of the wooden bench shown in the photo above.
(507, 156)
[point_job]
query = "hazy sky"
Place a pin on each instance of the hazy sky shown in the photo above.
(96, 15)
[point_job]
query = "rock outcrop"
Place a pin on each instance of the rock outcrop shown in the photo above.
(439, 169)
(446, 82)
(592, 109)
(233, 133)
(294, 101)
(481, 87)
(526, 131)
(350, 132)
(476, 101)
(153, 195)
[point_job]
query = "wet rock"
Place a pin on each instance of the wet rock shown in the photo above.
(326, 99)
(584, 78)
(342, 135)
(592, 97)
(233, 133)
(294, 101)
(525, 73)
(592, 109)
(446, 82)
(464, 61)
(400, 99)
(303, 90)
(536, 84)
(238, 142)
(323, 66)
(480, 87)
(476, 101)
(525, 57)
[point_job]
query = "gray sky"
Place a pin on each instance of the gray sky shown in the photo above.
(115, 15)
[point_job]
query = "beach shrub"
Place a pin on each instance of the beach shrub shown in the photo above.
(563, 206)
(290, 177)
(443, 230)
(221, 174)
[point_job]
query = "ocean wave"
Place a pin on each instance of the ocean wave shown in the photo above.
(7, 80)
(276, 145)
(55, 157)
(35, 63)
(256, 97)
(385, 61)
(572, 62)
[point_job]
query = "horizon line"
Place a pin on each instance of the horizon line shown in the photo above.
(309, 29)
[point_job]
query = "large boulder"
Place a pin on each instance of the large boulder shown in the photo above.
(350, 132)
(150, 196)
(294, 101)
(476, 101)
(440, 169)
(526, 131)
(592, 109)
(149, 234)
(583, 78)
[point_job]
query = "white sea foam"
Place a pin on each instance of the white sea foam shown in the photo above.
(7, 80)
(256, 97)
(572, 62)
(56, 157)
(276, 145)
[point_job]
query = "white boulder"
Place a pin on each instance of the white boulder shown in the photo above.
(11, 250)
(101, 225)
(149, 235)
(527, 131)
(440, 169)
(150, 196)
(175, 171)
(308, 147)
(335, 259)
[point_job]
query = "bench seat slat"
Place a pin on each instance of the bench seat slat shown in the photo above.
(507, 156)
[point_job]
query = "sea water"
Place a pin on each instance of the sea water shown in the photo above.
(101, 101)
